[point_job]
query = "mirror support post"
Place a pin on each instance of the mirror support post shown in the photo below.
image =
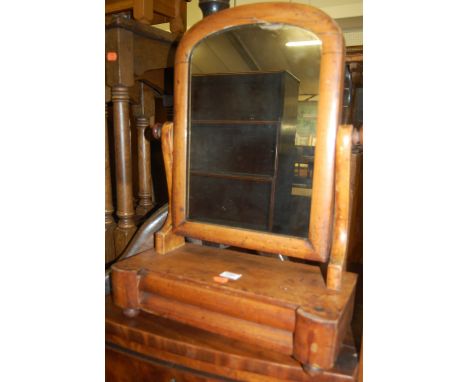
(339, 251)
(166, 240)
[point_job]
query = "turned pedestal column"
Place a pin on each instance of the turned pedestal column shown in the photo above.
(123, 169)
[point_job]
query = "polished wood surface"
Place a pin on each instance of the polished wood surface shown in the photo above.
(317, 247)
(356, 205)
(119, 57)
(144, 115)
(167, 131)
(152, 12)
(283, 306)
(133, 49)
(178, 23)
(125, 366)
(165, 239)
(354, 53)
(149, 348)
(143, 11)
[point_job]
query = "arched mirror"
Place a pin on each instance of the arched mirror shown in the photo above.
(259, 113)
(252, 128)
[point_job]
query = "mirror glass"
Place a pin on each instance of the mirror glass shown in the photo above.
(252, 128)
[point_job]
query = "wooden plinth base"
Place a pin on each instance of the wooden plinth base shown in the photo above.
(281, 306)
(151, 348)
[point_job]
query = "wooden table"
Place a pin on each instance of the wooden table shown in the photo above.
(150, 348)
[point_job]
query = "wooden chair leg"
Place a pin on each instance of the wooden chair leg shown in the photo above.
(123, 162)
(178, 23)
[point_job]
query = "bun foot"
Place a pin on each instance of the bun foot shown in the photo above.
(131, 312)
(312, 370)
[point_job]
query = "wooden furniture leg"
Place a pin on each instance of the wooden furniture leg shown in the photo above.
(123, 159)
(109, 208)
(145, 182)
(178, 24)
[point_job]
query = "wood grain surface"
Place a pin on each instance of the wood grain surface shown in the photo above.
(148, 348)
(262, 307)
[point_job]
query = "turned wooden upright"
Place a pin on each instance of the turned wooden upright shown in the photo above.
(143, 113)
(119, 76)
(125, 211)
(109, 207)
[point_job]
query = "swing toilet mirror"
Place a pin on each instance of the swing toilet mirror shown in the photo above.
(257, 99)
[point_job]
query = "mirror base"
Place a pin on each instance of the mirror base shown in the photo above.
(282, 306)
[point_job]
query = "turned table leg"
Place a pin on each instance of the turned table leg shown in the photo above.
(145, 183)
(109, 208)
(123, 163)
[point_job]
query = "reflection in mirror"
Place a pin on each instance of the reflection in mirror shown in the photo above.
(253, 109)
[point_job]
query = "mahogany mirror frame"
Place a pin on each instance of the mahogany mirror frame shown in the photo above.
(317, 245)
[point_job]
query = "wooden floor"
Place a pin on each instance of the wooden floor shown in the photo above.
(150, 348)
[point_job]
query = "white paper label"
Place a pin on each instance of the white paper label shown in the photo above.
(230, 275)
